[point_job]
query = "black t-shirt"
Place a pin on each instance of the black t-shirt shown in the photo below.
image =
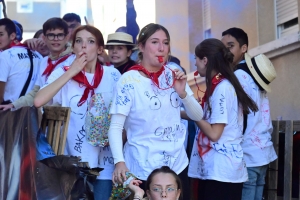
(125, 67)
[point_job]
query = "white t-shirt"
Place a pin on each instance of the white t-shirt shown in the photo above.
(257, 145)
(41, 80)
(221, 160)
(69, 96)
(106, 162)
(15, 68)
(155, 134)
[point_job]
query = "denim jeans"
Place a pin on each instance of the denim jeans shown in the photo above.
(254, 187)
(102, 189)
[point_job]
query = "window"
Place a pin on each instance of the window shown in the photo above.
(206, 19)
(287, 17)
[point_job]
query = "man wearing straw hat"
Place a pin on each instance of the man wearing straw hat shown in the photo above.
(255, 74)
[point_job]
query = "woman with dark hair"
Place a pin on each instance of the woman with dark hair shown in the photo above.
(161, 183)
(120, 47)
(86, 87)
(147, 103)
(219, 163)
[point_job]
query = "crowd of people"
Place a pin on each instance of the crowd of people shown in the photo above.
(129, 97)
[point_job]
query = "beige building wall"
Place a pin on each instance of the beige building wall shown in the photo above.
(266, 21)
(285, 95)
(173, 14)
(226, 14)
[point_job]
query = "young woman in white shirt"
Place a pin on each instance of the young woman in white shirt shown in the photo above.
(84, 84)
(147, 103)
(217, 156)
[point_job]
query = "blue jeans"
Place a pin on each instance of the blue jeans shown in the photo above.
(102, 189)
(254, 187)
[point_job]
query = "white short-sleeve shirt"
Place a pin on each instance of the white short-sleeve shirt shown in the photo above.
(68, 96)
(155, 134)
(41, 79)
(257, 145)
(15, 68)
(222, 160)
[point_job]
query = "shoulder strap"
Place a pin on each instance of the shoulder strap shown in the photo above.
(30, 73)
(245, 123)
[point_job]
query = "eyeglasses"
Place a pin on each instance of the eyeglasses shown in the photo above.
(168, 190)
(51, 36)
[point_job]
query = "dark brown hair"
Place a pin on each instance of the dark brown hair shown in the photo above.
(94, 31)
(219, 59)
(55, 23)
(146, 32)
(165, 170)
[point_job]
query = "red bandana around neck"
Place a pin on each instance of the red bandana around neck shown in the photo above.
(203, 142)
(82, 80)
(218, 78)
(13, 44)
(152, 75)
(50, 67)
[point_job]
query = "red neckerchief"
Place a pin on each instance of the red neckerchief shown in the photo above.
(82, 80)
(203, 142)
(13, 44)
(107, 63)
(50, 67)
(218, 78)
(152, 75)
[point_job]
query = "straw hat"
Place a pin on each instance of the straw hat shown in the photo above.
(119, 38)
(262, 70)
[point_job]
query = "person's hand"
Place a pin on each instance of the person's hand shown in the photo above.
(34, 43)
(78, 64)
(119, 175)
(6, 107)
(134, 187)
(180, 83)
(103, 57)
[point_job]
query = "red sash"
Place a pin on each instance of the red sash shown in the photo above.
(82, 80)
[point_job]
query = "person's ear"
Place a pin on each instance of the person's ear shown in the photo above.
(44, 37)
(129, 52)
(68, 36)
(141, 47)
(100, 50)
(244, 48)
(178, 193)
(148, 194)
(205, 60)
(13, 36)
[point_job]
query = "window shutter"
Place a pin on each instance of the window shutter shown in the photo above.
(206, 15)
(286, 10)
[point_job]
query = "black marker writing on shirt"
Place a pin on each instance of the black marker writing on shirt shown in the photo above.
(79, 140)
(222, 104)
(25, 55)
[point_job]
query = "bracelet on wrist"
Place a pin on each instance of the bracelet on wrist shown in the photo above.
(137, 197)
